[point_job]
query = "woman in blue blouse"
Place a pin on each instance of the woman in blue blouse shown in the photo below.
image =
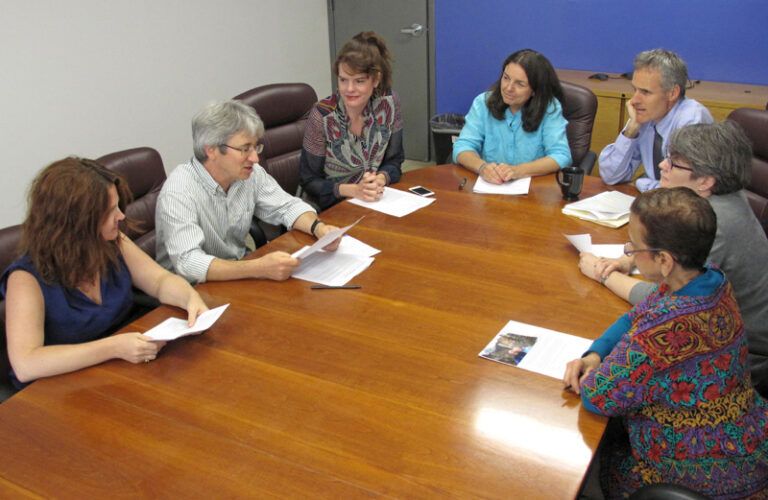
(72, 285)
(516, 129)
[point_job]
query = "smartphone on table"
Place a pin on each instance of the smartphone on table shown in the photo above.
(421, 191)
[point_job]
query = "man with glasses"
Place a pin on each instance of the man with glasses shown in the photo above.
(206, 206)
(657, 108)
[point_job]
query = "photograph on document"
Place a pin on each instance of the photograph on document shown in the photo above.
(533, 348)
(508, 348)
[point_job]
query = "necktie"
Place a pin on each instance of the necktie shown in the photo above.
(657, 156)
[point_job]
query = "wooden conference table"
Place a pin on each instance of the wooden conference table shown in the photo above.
(344, 393)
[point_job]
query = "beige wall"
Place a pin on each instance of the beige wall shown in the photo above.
(89, 77)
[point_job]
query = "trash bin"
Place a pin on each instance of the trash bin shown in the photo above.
(445, 130)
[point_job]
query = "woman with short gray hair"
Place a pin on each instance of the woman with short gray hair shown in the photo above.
(714, 160)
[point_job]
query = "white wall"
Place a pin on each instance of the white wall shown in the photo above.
(89, 77)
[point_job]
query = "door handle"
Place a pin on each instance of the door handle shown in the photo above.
(415, 30)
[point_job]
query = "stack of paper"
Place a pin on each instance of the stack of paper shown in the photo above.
(334, 268)
(610, 208)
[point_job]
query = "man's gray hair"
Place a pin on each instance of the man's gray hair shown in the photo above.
(671, 67)
(721, 150)
(218, 121)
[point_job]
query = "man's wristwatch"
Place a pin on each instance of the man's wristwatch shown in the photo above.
(314, 226)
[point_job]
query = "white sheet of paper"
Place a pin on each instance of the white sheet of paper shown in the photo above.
(173, 328)
(326, 240)
(395, 202)
(331, 268)
(583, 243)
(609, 251)
(518, 186)
(551, 352)
(353, 246)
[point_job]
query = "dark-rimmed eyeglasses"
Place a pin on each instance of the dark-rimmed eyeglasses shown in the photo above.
(246, 150)
(630, 250)
(677, 165)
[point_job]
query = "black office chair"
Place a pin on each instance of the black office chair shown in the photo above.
(284, 108)
(665, 491)
(9, 243)
(580, 109)
(143, 169)
(755, 125)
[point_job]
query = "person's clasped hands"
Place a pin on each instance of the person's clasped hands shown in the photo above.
(370, 187)
(497, 173)
(599, 268)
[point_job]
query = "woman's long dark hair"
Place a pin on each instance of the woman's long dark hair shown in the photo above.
(543, 82)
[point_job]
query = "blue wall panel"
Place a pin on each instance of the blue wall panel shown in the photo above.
(721, 40)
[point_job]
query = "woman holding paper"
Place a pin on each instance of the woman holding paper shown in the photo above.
(72, 284)
(674, 368)
(715, 161)
(353, 143)
(517, 128)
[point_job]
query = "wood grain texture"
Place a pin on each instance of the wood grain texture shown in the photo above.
(376, 392)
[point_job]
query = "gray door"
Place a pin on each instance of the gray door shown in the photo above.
(404, 24)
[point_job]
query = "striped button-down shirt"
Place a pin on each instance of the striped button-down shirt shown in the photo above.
(196, 221)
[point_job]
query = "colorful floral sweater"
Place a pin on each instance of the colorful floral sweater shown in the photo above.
(678, 376)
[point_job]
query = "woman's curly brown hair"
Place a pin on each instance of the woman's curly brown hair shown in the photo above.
(68, 205)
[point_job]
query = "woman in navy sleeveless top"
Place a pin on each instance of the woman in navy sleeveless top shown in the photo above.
(73, 283)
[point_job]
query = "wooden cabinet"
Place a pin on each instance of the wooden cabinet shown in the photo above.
(612, 94)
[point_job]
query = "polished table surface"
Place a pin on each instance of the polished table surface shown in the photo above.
(344, 393)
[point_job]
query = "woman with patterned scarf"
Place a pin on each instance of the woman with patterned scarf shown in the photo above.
(674, 369)
(353, 143)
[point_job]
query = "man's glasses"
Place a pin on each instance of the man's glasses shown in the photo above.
(677, 165)
(630, 250)
(246, 150)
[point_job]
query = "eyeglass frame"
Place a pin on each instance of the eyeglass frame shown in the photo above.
(675, 165)
(246, 150)
(630, 253)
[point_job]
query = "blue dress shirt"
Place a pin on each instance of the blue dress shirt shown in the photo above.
(619, 161)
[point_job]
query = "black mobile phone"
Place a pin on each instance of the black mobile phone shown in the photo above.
(421, 191)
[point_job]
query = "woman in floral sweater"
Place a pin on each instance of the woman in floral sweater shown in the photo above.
(675, 367)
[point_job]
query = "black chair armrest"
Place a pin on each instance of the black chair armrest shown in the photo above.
(588, 162)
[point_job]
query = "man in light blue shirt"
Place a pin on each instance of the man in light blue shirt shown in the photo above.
(657, 108)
